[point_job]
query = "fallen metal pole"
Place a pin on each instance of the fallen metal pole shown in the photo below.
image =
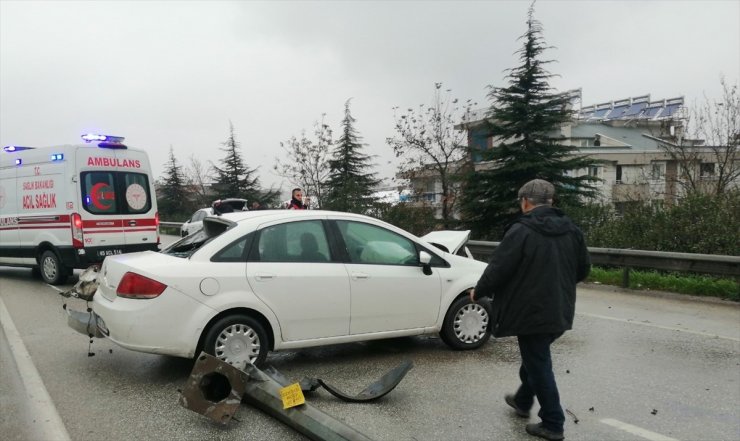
(216, 388)
(264, 393)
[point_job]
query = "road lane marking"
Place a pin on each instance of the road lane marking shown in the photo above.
(50, 425)
(639, 431)
(668, 328)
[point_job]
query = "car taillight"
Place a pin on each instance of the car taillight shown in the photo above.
(136, 286)
(78, 240)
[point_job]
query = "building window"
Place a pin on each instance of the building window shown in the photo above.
(619, 174)
(658, 171)
(594, 171)
(706, 170)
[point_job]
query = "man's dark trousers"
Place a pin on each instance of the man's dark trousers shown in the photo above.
(538, 380)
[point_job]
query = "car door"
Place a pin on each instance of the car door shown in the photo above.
(389, 290)
(292, 270)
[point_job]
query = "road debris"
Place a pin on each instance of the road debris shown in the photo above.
(575, 418)
(215, 389)
(86, 285)
(379, 388)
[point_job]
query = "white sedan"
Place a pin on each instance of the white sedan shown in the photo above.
(259, 281)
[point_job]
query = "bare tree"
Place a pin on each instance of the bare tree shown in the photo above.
(709, 163)
(430, 148)
(197, 176)
(307, 161)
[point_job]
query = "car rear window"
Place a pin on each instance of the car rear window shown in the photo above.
(188, 245)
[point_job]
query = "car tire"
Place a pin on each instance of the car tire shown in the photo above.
(466, 325)
(237, 339)
(52, 270)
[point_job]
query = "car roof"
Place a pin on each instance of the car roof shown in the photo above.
(252, 219)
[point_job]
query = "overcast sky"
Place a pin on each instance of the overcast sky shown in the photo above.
(176, 72)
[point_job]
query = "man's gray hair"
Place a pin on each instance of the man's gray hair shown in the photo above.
(538, 192)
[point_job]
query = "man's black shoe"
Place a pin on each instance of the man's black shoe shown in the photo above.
(520, 412)
(538, 430)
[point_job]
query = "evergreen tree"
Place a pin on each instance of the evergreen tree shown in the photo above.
(234, 179)
(173, 197)
(349, 187)
(526, 116)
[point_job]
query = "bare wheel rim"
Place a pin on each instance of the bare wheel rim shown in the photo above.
(50, 268)
(471, 323)
(238, 344)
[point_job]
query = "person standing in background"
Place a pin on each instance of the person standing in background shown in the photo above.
(296, 201)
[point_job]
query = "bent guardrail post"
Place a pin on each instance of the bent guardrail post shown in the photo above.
(215, 389)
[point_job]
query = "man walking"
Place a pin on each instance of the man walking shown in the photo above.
(532, 278)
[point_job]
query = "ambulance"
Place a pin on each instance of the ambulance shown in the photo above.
(70, 206)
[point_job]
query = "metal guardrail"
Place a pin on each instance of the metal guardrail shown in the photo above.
(683, 262)
(177, 225)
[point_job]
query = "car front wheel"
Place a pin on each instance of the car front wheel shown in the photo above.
(237, 340)
(466, 324)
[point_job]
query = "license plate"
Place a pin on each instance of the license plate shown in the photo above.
(103, 253)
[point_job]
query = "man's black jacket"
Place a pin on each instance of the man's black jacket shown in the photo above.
(533, 273)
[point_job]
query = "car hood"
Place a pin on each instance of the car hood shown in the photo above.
(450, 241)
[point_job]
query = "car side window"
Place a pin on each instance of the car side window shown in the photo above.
(303, 241)
(235, 251)
(375, 245)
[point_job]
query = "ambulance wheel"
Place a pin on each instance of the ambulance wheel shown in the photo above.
(52, 270)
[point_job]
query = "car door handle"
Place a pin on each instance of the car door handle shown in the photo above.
(264, 276)
(132, 223)
(358, 276)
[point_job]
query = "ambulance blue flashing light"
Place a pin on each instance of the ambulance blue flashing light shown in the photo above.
(105, 141)
(15, 148)
(57, 157)
(90, 137)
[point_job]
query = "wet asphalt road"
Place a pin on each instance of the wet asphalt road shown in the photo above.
(635, 367)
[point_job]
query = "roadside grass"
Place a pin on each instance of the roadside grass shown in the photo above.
(692, 284)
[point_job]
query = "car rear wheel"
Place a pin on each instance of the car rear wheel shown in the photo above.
(51, 268)
(466, 324)
(237, 340)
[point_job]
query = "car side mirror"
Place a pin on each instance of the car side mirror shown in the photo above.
(425, 260)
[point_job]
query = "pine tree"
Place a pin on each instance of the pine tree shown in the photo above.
(349, 187)
(234, 179)
(173, 197)
(527, 117)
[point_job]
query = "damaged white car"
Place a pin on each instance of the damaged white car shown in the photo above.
(259, 281)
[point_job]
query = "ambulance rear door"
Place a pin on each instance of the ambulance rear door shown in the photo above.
(140, 223)
(118, 205)
(102, 222)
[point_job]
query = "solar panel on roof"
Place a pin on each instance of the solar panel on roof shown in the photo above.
(651, 112)
(600, 113)
(670, 110)
(616, 112)
(634, 109)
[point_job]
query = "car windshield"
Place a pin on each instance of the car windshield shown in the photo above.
(188, 245)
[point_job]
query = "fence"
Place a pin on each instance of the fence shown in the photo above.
(728, 266)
